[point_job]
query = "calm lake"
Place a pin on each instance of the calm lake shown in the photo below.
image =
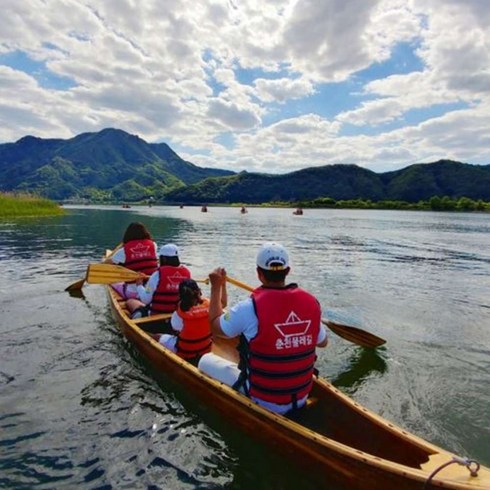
(79, 408)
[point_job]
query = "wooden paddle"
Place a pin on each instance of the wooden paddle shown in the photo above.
(78, 285)
(110, 273)
(352, 334)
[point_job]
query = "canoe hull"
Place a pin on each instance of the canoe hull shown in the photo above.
(331, 460)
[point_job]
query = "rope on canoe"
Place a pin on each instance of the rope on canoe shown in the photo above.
(472, 465)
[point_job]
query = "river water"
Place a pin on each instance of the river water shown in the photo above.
(79, 408)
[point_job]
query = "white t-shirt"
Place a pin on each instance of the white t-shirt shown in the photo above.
(145, 293)
(176, 322)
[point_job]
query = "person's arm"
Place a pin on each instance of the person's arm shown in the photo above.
(217, 279)
(118, 257)
(322, 337)
(224, 295)
(176, 322)
(145, 293)
(240, 319)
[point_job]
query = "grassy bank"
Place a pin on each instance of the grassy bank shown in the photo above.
(23, 205)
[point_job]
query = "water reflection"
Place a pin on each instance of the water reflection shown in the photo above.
(81, 233)
(363, 364)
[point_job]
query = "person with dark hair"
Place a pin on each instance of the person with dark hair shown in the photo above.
(279, 327)
(161, 293)
(191, 323)
(138, 253)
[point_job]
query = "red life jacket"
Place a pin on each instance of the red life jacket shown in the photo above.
(195, 337)
(166, 296)
(281, 357)
(141, 256)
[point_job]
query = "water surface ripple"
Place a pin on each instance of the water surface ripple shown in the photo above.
(79, 408)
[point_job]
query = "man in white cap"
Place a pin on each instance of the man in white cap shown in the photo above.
(279, 328)
(161, 292)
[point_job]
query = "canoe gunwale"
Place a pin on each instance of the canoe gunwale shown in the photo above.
(328, 452)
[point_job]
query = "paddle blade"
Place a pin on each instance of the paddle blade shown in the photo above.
(76, 293)
(354, 334)
(111, 273)
(76, 286)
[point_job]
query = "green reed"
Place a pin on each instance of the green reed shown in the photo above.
(23, 205)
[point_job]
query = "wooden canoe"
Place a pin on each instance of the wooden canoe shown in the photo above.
(334, 436)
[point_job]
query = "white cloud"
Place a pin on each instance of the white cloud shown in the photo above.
(255, 71)
(330, 40)
(232, 116)
(282, 90)
(456, 51)
(396, 95)
(456, 47)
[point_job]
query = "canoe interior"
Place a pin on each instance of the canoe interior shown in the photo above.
(334, 433)
(326, 414)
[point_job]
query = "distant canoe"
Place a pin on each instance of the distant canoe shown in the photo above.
(204, 209)
(243, 210)
(298, 211)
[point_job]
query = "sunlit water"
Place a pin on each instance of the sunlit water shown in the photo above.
(79, 407)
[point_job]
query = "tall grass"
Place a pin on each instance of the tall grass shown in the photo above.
(19, 205)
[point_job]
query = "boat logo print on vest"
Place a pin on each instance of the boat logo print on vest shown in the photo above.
(175, 280)
(294, 332)
(140, 251)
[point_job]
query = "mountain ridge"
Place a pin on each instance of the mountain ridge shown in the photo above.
(113, 165)
(109, 164)
(344, 182)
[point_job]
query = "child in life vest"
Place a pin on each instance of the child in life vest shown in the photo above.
(191, 322)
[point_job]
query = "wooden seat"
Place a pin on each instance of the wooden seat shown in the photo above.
(152, 318)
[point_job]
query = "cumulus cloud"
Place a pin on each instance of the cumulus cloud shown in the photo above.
(231, 115)
(331, 40)
(257, 72)
(282, 90)
(396, 95)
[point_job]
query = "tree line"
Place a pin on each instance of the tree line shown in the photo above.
(435, 203)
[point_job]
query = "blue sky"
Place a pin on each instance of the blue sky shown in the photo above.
(269, 87)
(20, 61)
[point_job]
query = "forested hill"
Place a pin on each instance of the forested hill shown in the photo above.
(442, 178)
(344, 182)
(108, 165)
(337, 181)
(112, 165)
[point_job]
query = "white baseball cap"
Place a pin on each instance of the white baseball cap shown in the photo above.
(169, 250)
(272, 257)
